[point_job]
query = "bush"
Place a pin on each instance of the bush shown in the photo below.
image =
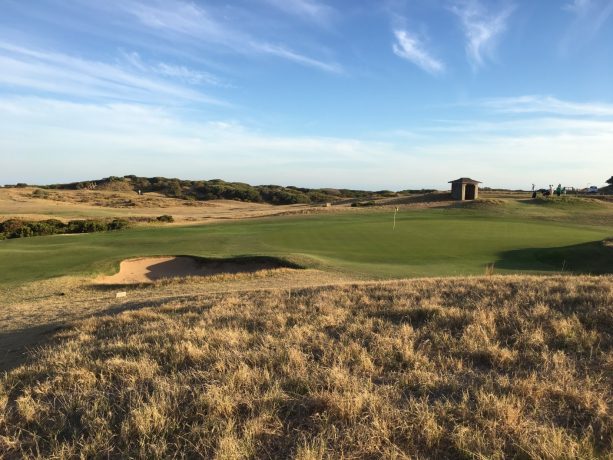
(39, 193)
(86, 226)
(22, 232)
(118, 224)
(18, 228)
(11, 225)
(45, 228)
(166, 218)
(361, 204)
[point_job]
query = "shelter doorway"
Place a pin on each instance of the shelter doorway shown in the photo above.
(470, 192)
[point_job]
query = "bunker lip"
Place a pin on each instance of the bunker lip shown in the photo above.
(142, 270)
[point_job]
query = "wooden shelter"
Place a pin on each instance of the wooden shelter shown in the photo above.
(464, 188)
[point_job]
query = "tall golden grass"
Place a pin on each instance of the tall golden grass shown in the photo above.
(491, 367)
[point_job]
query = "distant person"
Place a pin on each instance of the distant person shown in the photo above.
(559, 190)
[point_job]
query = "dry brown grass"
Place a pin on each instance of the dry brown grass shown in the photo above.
(492, 367)
(32, 312)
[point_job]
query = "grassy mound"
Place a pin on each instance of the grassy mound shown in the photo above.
(440, 368)
(566, 202)
(482, 203)
(430, 197)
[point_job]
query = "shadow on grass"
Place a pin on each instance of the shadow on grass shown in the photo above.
(595, 258)
(17, 345)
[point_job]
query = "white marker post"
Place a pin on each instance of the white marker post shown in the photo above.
(395, 211)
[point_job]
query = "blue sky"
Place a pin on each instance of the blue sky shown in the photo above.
(367, 94)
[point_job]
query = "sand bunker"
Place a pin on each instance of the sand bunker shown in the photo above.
(149, 269)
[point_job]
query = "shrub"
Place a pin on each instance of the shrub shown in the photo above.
(40, 193)
(9, 226)
(118, 224)
(22, 232)
(86, 226)
(43, 228)
(18, 228)
(361, 204)
(166, 218)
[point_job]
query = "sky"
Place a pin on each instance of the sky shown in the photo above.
(366, 94)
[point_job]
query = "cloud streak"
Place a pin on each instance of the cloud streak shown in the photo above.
(58, 73)
(482, 28)
(549, 104)
(191, 20)
(589, 17)
(179, 72)
(410, 48)
(311, 10)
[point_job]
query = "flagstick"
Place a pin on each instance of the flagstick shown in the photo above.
(395, 211)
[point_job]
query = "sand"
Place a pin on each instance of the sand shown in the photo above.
(149, 269)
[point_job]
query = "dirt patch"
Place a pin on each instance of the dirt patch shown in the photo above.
(150, 269)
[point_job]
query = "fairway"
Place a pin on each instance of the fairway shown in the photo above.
(424, 243)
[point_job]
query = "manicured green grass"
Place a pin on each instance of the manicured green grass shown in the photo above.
(425, 243)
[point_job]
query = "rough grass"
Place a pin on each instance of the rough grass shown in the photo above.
(567, 201)
(494, 367)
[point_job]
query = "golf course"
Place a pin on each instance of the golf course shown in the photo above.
(430, 242)
(381, 323)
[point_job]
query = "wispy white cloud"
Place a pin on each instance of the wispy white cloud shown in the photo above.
(410, 48)
(598, 10)
(191, 20)
(578, 6)
(41, 70)
(311, 10)
(280, 51)
(178, 17)
(589, 17)
(548, 104)
(482, 27)
(180, 72)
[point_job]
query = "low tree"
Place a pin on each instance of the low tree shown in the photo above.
(610, 180)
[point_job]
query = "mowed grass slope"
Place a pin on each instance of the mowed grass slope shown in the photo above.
(494, 367)
(424, 243)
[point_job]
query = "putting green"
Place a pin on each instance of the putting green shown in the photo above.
(424, 243)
